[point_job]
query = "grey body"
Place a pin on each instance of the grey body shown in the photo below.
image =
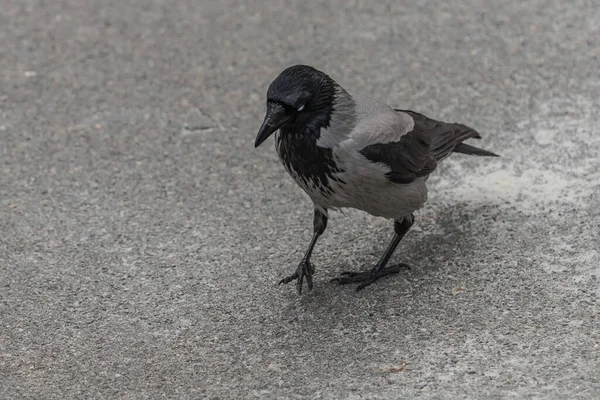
(356, 123)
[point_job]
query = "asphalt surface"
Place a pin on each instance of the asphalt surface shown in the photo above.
(142, 235)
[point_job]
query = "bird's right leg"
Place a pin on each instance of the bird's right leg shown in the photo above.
(365, 278)
(305, 268)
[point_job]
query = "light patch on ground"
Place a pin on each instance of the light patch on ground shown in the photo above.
(557, 125)
(545, 136)
(532, 189)
(561, 262)
(576, 117)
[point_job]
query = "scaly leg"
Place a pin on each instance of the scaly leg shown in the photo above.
(305, 268)
(365, 278)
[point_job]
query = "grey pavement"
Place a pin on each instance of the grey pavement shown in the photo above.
(142, 235)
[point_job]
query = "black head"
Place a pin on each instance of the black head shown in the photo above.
(300, 96)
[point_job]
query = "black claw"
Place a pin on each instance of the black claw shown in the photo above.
(365, 278)
(288, 279)
(304, 270)
(309, 281)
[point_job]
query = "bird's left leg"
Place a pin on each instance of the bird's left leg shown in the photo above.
(305, 268)
(365, 278)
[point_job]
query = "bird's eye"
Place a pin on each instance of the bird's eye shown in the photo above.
(301, 107)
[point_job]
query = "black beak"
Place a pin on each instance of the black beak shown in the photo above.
(276, 117)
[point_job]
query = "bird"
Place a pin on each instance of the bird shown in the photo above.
(352, 151)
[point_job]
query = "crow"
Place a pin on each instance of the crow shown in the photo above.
(353, 151)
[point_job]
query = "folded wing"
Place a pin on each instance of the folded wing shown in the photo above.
(416, 153)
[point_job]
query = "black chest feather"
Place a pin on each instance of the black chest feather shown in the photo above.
(308, 163)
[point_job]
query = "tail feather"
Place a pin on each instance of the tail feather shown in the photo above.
(448, 137)
(465, 132)
(472, 150)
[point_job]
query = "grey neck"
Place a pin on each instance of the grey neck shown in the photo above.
(343, 120)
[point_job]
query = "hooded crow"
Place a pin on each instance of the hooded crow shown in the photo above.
(352, 151)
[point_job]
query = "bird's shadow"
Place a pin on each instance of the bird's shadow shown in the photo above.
(444, 245)
(384, 323)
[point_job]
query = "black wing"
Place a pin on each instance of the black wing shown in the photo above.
(444, 136)
(417, 153)
(408, 158)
